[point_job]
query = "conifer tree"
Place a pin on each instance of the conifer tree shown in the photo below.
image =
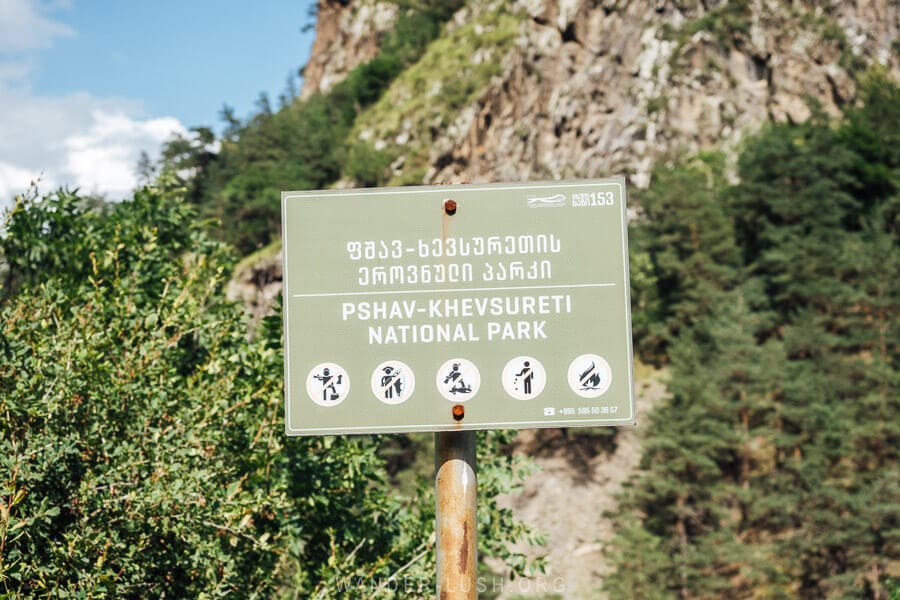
(689, 240)
(772, 470)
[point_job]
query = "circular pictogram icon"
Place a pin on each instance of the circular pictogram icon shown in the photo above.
(393, 382)
(327, 384)
(458, 380)
(589, 376)
(524, 378)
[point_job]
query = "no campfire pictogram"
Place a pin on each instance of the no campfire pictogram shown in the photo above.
(589, 376)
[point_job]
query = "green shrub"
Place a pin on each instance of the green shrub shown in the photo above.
(142, 451)
(367, 166)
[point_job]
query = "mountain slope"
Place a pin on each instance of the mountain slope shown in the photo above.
(543, 90)
(581, 89)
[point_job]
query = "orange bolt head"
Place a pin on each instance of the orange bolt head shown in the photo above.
(450, 206)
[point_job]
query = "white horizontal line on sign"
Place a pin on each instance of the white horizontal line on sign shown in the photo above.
(452, 290)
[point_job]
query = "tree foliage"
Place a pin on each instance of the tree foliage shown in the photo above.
(772, 469)
(142, 451)
(684, 251)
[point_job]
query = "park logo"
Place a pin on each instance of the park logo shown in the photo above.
(554, 201)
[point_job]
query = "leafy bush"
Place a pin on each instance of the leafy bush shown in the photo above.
(367, 166)
(127, 470)
(142, 451)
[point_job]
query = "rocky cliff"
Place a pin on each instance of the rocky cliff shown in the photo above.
(347, 34)
(544, 89)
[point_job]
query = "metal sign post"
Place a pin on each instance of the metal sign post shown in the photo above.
(455, 492)
(455, 524)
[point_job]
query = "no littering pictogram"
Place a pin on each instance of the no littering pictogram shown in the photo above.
(524, 378)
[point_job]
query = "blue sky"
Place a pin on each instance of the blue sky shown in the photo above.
(85, 85)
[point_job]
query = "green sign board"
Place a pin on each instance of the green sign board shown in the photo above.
(511, 311)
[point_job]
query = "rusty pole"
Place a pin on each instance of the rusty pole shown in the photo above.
(455, 494)
(455, 526)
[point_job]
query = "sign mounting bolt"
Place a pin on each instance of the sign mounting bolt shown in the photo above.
(450, 206)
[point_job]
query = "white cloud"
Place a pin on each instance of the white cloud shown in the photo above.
(12, 179)
(24, 26)
(14, 70)
(73, 140)
(104, 157)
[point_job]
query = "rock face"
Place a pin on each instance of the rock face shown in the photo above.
(581, 473)
(347, 34)
(257, 283)
(602, 88)
(594, 88)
